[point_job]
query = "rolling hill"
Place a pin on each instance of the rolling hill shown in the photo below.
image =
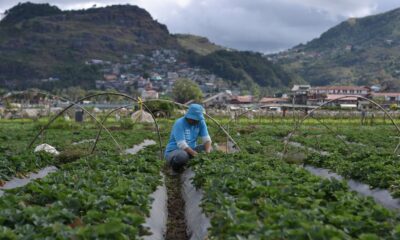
(357, 51)
(48, 41)
(41, 41)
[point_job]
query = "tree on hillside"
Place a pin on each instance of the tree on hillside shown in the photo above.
(185, 90)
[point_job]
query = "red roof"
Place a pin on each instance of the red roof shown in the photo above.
(243, 99)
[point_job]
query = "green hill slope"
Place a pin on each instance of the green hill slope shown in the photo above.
(197, 44)
(357, 51)
(245, 67)
(43, 45)
(41, 41)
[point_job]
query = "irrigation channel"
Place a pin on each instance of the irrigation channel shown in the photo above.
(186, 219)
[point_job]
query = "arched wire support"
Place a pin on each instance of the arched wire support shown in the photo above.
(245, 112)
(63, 111)
(133, 99)
(207, 115)
(103, 121)
(106, 129)
(267, 105)
(38, 91)
(346, 144)
(297, 126)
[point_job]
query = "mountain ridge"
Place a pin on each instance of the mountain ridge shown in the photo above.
(48, 43)
(358, 51)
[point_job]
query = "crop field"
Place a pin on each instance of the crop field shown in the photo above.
(260, 189)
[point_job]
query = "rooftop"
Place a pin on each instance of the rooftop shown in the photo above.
(341, 88)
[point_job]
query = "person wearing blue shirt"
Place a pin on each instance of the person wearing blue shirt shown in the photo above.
(183, 140)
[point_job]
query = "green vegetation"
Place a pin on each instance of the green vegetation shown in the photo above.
(253, 194)
(28, 10)
(366, 156)
(358, 51)
(104, 196)
(197, 44)
(248, 67)
(185, 90)
(17, 160)
(284, 202)
(95, 197)
(38, 43)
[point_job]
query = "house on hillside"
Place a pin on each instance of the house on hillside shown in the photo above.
(149, 94)
(110, 77)
(247, 99)
(272, 100)
(386, 98)
(218, 100)
(337, 95)
(341, 90)
(299, 94)
(343, 101)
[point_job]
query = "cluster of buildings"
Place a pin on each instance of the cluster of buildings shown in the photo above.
(308, 97)
(356, 97)
(151, 75)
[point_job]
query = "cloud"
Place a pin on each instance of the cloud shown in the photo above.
(259, 25)
(344, 8)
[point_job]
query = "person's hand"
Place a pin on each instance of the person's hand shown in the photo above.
(208, 147)
(191, 152)
(194, 153)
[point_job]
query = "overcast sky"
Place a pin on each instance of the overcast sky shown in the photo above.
(259, 25)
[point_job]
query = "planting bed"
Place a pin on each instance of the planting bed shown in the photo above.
(257, 197)
(261, 192)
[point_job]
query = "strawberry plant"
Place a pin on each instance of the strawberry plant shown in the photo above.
(104, 197)
(250, 196)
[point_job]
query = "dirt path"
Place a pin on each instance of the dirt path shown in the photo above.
(176, 224)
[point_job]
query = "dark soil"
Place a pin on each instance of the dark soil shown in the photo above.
(176, 224)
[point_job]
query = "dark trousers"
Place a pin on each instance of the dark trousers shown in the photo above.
(177, 159)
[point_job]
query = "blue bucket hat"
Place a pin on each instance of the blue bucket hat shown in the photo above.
(195, 112)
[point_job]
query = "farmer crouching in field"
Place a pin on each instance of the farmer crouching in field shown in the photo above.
(185, 132)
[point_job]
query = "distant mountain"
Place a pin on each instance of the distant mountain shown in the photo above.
(41, 41)
(244, 67)
(357, 51)
(27, 11)
(37, 40)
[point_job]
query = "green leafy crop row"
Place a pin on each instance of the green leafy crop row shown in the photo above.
(96, 197)
(16, 159)
(250, 196)
(367, 155)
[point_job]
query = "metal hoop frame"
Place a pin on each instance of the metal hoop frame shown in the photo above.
(297, 126)
(101, 124)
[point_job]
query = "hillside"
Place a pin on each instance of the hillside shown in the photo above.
(40, 41)
(52, 43)
(197, 44)
(244, 67)
(357, 51)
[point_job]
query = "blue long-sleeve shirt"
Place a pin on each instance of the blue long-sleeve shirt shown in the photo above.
(184, 135)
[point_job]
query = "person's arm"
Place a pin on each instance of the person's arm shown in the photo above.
(179, 135)
(205, 137)
(185, 147)
(190, 151)
(207, 146)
